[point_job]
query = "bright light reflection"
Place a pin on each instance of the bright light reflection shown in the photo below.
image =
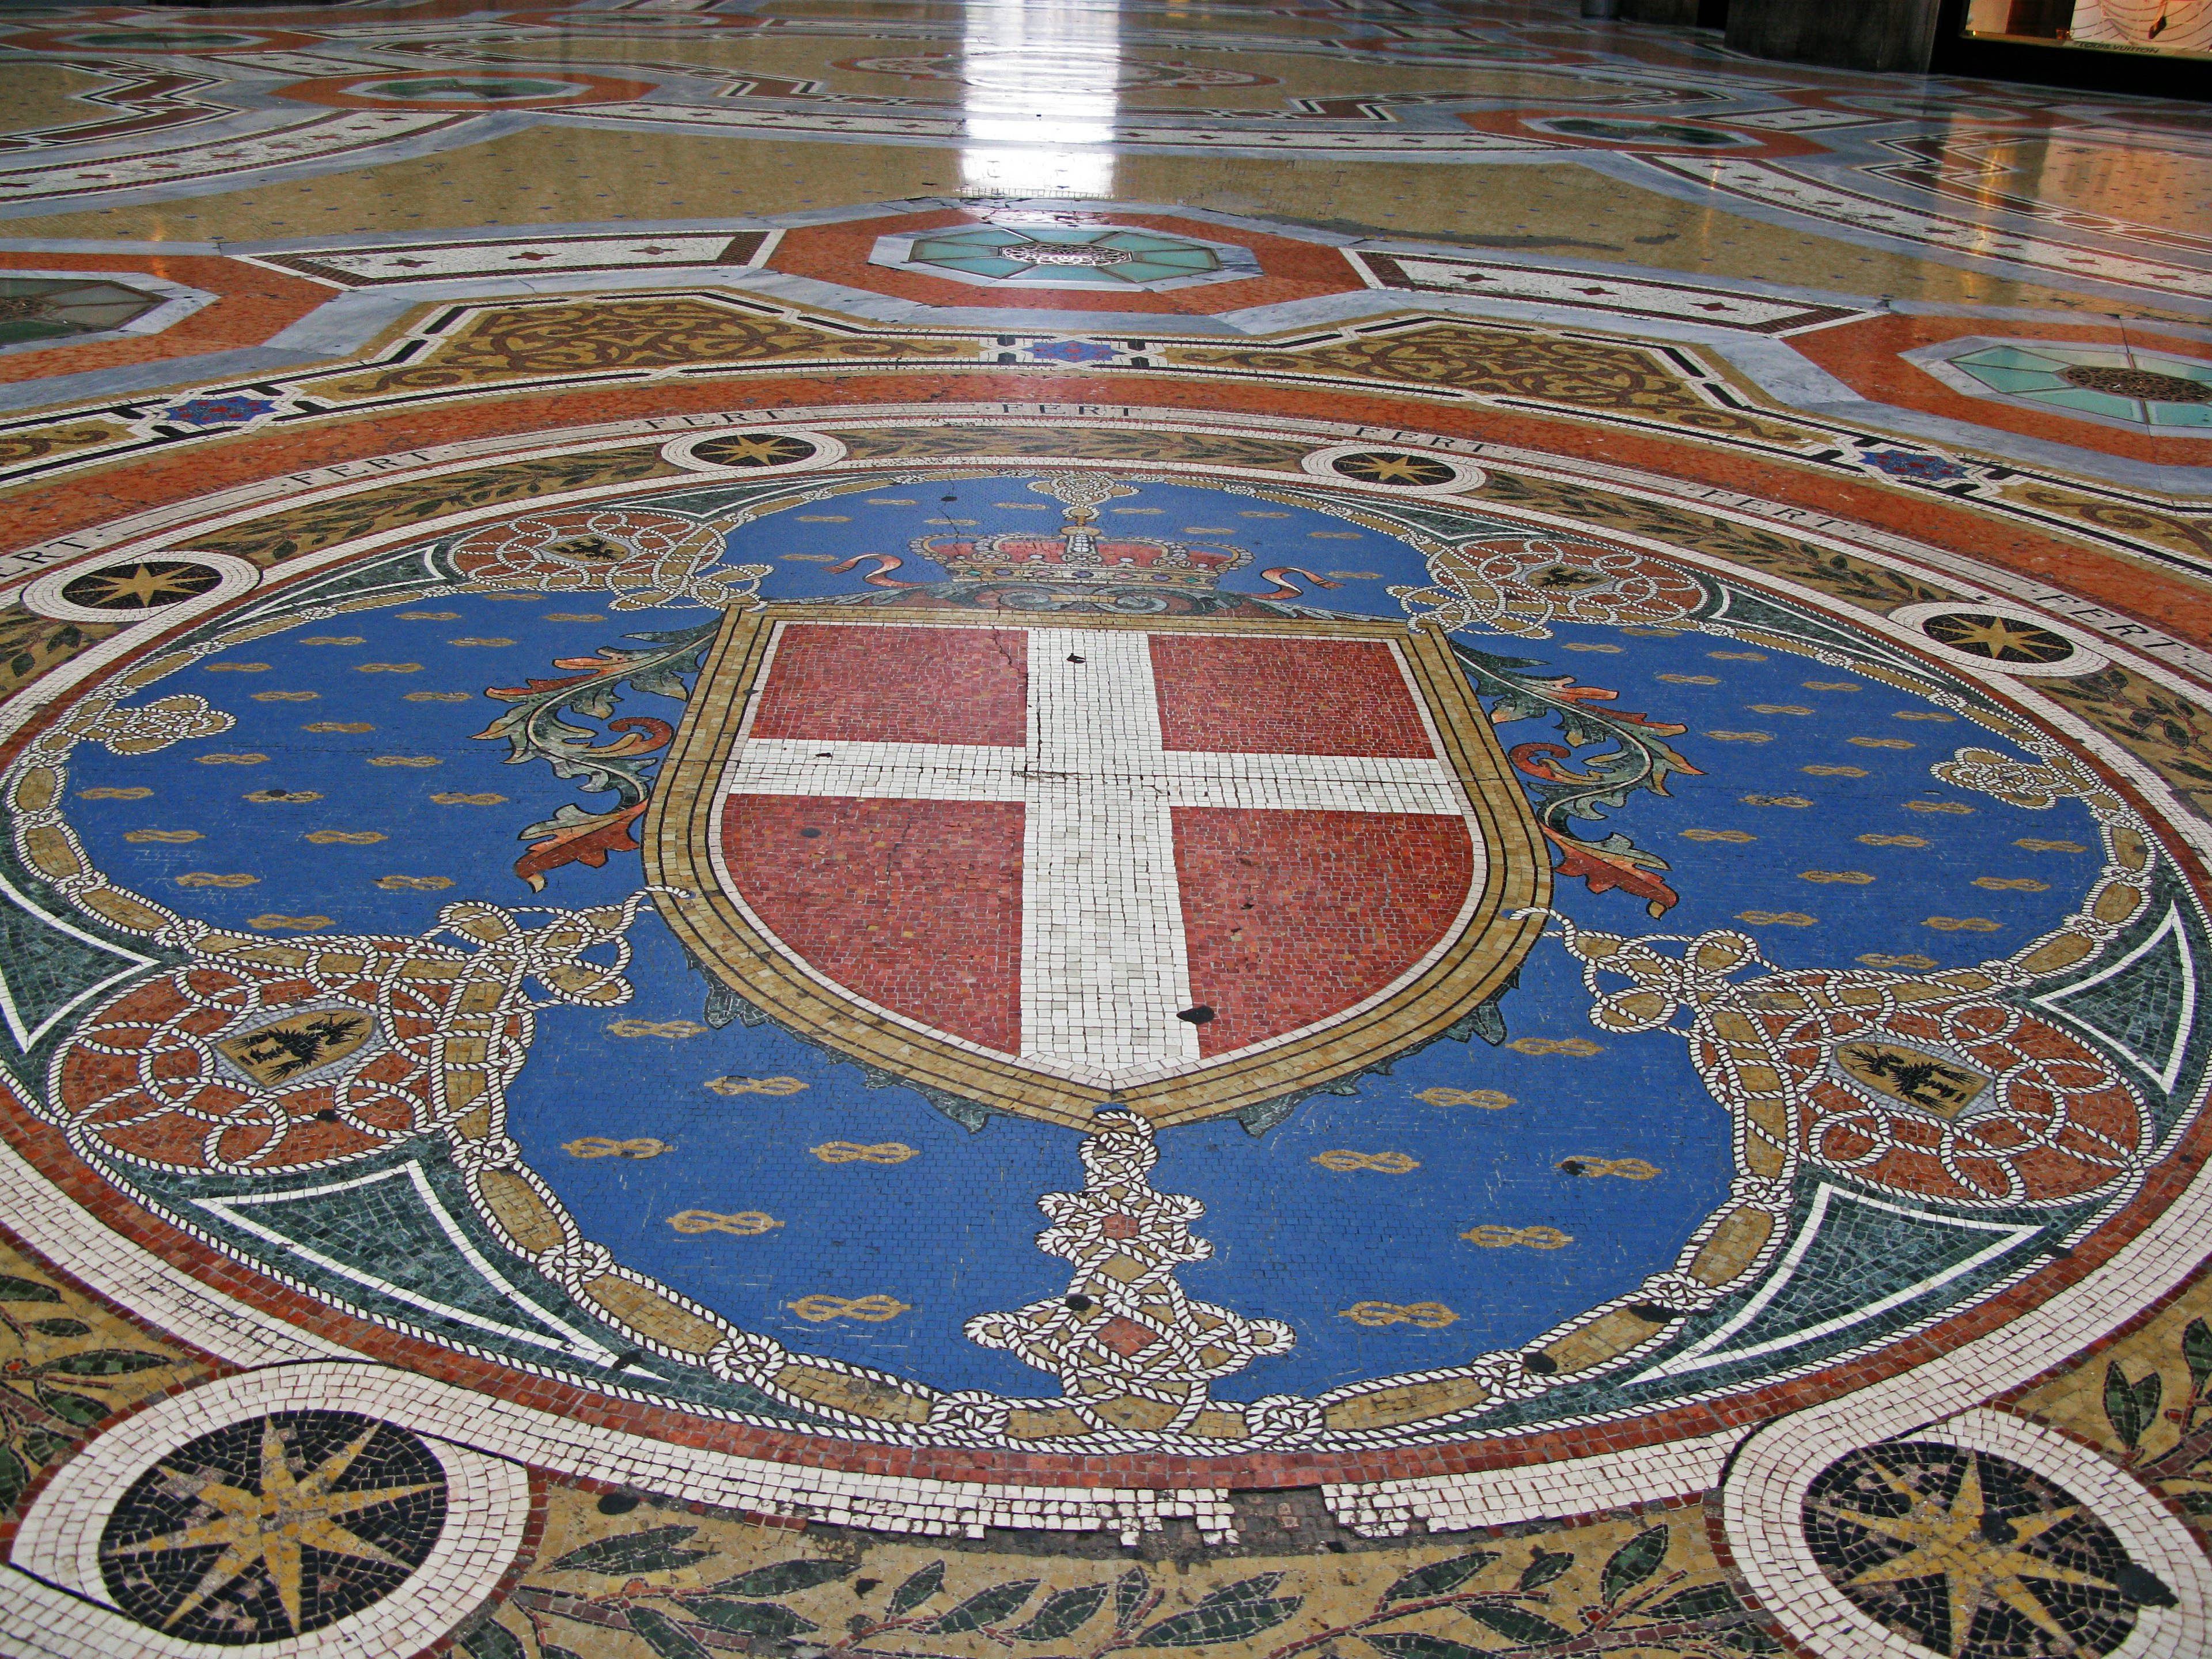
(1040, 99)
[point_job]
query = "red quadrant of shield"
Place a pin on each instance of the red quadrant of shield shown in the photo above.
(1289, 914)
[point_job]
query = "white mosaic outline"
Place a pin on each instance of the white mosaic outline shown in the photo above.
(317, 137)
(525, 1435)
(2168, 1074)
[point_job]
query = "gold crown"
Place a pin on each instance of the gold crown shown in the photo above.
(1081, 553)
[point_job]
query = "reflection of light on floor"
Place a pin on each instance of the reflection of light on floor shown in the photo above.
(1040, 99)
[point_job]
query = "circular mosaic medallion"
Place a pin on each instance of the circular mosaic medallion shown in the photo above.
(645, 884)
(1398, 471)
(1974, 1556)
(155, 587)
(1392, 467)
(2003, 638)
(1999, 639)
(147, 585)
(755, 450)
(273, 1527)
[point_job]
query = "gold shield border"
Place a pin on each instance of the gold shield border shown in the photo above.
(680, 830)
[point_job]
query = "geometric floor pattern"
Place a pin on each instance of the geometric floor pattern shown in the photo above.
(716, 936)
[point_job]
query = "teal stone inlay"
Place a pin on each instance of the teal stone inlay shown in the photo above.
(2142, 1001)
(387, 1232)
(48, 967)
(483, 89)
(1669, 134)
(1082, 256)
(1852, 1259)
(33, 310)
(1049, 256)
(2139, 388)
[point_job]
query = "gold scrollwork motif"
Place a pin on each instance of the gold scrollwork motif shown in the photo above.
(1422, 1316)
(1493, 1237)
(1628, 1169)
(674, 1030)
(566, 339)
(745, 1223)
(1578, 1048)
(852, 1151)
(819, 1309)
(1490, 1100)
(747, 1086)
(1381, 1163)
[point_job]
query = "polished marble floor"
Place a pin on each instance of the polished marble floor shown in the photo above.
(930, 830)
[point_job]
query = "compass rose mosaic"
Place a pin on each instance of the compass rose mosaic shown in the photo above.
(275, 1528)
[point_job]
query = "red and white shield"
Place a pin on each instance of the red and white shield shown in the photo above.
(1030, 853)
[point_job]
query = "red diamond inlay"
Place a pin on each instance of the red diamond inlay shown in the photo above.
(1125, 1336)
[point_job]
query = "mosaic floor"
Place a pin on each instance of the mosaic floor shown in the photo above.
(1025, 831)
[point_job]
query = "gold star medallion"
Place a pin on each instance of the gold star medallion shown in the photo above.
(1972, 1548)
(2000, 639)
(1383, 466)
(272, 1523)
(140, 587)
(755, 449)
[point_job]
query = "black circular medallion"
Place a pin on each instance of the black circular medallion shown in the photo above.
(754, 449)
(273, 1528)
(1391, 466)
(1974, 1556)
(147, 585)
(1998, 639)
